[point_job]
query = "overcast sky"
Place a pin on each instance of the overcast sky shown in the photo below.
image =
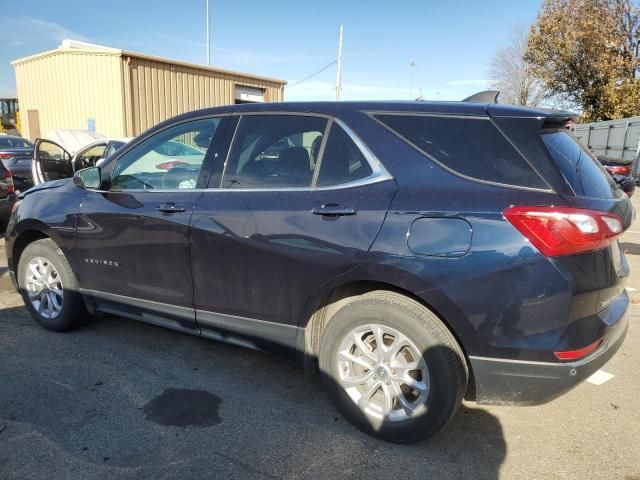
(450, 42)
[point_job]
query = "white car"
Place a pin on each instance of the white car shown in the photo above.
(66, 151)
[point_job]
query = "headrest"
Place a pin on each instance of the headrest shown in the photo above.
(294, 161)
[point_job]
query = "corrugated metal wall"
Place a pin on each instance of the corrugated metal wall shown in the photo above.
(125, 93)
(613, 138)
(160, 90)
(68, 87)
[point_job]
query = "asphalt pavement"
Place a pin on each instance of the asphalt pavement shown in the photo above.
(124, 400)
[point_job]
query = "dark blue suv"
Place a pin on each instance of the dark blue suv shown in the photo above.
(418, 253)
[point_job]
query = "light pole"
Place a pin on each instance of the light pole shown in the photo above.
(208, 42)
(411, 67)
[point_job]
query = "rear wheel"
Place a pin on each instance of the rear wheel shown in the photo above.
(391, 367)
(49, 287)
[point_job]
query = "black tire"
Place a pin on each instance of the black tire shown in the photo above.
(445, 361)
(73, 313)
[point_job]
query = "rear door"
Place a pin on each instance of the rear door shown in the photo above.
(50, 162)
(300, 201)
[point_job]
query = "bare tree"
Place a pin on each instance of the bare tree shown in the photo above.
(513, 76)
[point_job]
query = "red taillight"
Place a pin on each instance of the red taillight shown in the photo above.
(9, 181)
(577, 354)
(6, 156)
(171, 164)
(618, 170)
(559, 231)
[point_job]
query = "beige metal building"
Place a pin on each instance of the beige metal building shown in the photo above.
(120, 93)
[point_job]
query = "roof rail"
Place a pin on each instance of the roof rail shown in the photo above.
(486, 96)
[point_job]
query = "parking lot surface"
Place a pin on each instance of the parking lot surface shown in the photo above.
(124, 400)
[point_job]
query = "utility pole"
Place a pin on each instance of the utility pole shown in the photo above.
(339, 69)
(411, 67)
(208, 42)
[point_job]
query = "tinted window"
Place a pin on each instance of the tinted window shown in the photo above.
(580, 168)
(158, 163)
(342, 160)
(273, 151)
(469, 146)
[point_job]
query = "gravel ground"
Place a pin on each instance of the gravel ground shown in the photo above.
(124, 400)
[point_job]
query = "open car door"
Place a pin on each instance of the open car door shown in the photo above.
(50, 162)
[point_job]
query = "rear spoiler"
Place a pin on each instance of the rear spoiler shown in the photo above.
(552, 118)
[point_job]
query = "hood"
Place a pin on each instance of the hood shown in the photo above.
(72, 139)
(45, 186)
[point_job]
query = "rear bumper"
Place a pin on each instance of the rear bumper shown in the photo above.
(508, 382)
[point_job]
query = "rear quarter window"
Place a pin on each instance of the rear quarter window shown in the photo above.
(581, 169)
(472, 147)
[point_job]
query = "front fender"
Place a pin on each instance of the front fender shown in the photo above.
(50, 212)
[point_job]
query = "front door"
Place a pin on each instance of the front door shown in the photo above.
(132, 238)
(298, 204)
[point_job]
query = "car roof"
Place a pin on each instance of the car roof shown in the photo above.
(16, 137)
(337, 108)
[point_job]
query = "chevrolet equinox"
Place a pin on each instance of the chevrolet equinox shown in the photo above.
(416, 253)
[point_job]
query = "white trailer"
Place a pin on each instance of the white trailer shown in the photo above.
(613, 138)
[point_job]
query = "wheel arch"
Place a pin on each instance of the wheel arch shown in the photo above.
(26, 235)
(326, 304)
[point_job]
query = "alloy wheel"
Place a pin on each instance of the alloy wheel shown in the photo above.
(44, 287)
(383, 372)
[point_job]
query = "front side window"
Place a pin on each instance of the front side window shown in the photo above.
(170, 159)
(274, 151)
(472, 147)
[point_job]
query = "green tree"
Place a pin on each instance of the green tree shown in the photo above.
(586, 54)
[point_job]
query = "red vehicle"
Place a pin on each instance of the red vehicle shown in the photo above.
(621, 171)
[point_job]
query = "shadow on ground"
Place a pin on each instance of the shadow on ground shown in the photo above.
(81, 405)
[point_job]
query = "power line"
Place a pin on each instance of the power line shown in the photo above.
(312, 75)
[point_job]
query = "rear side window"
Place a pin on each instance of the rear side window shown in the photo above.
(583, 172)
(472, 147)
(342, 161)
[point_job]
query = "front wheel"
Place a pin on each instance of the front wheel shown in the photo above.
(391, 367)
(49, 287)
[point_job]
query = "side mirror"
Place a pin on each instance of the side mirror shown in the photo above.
(88, 178)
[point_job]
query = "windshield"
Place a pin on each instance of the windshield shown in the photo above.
(112, 147)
